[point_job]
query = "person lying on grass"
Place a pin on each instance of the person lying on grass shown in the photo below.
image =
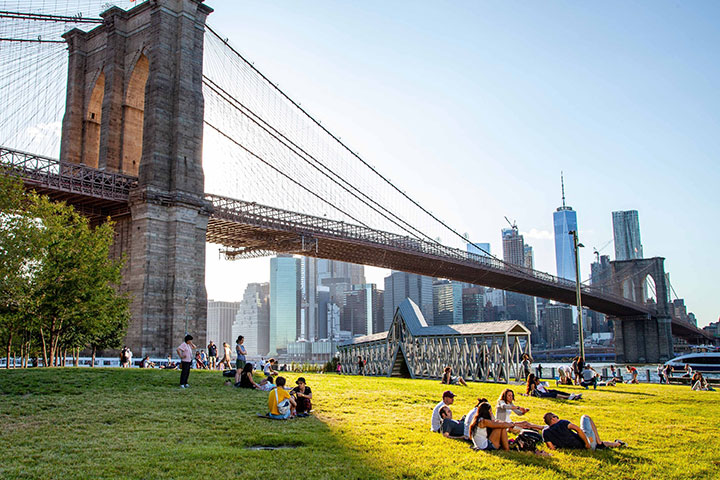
(487, 433)
(449, 379)
(505, 407)
(563, 434)
(536, 389)
(280, 404)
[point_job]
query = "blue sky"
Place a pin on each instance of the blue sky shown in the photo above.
(478, 106)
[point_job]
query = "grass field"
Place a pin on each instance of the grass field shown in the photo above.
(137, 424)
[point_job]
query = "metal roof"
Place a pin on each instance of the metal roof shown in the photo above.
(410, 313)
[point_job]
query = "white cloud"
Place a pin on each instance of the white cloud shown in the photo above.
(536, 234)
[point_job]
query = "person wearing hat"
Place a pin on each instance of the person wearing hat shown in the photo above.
(303, 396)
(441, 420)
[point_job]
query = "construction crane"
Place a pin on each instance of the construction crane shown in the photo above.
(512, 224)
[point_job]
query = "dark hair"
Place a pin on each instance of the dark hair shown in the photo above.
(280, 381)
(239, 339)
(547, 417)
(484, 411)
(481, 400)
(248, 368)
(530, 383)
(503, 395)
(188, 337)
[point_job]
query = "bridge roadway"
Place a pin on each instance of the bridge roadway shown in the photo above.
(250, 229)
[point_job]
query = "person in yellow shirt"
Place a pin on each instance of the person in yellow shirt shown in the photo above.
(279, 399)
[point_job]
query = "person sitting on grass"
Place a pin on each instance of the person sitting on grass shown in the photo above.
(449, 379)
(199, 364)
(266, 384)
(505, 407)
(269, 369)
(589, 377)
(536, 389)
(244, 378)
(564, 375)
(699, 382)
(634, 372)
(687, 371)
(616, 374)
(441, 419)
(487, 433)
(303, 397)
(470, 416)
(563, 434)
(281, 405)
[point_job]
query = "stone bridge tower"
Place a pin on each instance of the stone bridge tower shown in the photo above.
(135, 105)
(643, 339)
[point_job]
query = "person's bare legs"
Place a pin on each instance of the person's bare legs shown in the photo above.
(462, 381)
(495, 438)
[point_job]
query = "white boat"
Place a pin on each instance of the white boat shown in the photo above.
(699, 361)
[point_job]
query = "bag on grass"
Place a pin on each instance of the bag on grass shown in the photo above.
(229, 373)
(527, 441)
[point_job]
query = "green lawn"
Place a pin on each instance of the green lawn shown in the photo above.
(137, 424)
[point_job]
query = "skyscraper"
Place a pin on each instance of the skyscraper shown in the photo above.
(565, 221)
(284, 301)
(402, 285)
(626, 233)
(220, 318)
(513, 246)
(482, 249)
(253, 319)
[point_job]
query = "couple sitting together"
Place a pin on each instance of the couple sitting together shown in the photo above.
(488, 432)
(295, 403)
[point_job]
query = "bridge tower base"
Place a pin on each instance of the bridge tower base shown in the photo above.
(135, 105)
(643, 339)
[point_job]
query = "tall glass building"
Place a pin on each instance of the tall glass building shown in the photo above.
(285, 298)
(626, 234)
(565, 221)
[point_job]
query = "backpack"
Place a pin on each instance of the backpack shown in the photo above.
(284, 406)
(229, 373)
(526, 442)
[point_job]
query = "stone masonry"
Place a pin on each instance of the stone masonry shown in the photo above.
(135, 105)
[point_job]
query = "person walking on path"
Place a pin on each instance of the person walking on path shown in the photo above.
(240, 352)
(361, 366)
(184, 351)
(212, 355)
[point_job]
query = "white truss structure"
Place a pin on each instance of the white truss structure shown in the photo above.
(486, 352)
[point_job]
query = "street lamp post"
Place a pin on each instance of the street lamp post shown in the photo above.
(581, 334)
(187, 301)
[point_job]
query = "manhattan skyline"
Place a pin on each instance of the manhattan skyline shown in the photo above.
(477, 107)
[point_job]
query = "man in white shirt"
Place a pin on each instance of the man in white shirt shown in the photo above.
(185, 352)
(441, 420)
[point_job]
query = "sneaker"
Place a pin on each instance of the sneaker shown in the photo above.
(621, 443)
(572, 396)
(182, 386)
(187, 386)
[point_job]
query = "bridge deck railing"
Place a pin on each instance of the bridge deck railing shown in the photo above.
(68, 177)
(270, 217)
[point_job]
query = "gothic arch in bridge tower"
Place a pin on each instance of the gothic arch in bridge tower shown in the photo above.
(91, 123)
(649, 289)
(133, 115)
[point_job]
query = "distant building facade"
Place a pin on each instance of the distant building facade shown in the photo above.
(252, 320)
(220, 319)
(626, 235)
(285, 302)
(559, 330)
(402, 285)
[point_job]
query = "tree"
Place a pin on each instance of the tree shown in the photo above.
(58, 281)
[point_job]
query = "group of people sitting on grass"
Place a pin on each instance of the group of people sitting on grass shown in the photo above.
(488, 431)
(282, 403)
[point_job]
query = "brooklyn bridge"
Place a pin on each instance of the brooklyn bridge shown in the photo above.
(153, 95)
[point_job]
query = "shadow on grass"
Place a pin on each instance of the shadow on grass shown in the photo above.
(136, 424)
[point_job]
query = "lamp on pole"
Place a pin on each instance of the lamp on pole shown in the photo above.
(581, 334)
